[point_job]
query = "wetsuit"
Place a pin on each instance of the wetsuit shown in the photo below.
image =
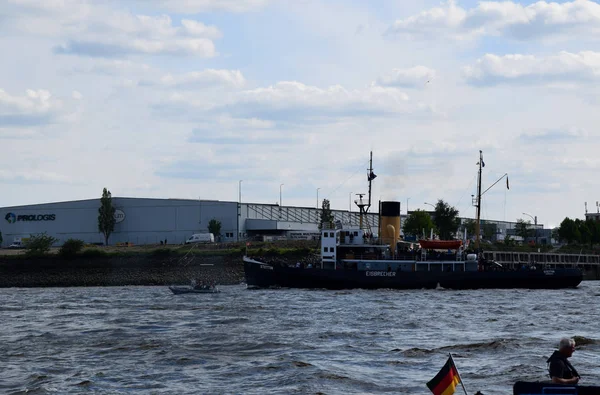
(558, 366)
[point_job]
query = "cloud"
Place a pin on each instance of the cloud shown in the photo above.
(197, 6)
(34, 108)
(33, 176)
(414, 77)
(197, 169)
(93, 29)
(291, 100)
(230, 131)
(531, 69)
(125, 34)
(507, 18)
(555, 135)
(109, 67)
(200, 79)
(201, 47)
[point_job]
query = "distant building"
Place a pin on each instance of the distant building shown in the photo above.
(150, 221)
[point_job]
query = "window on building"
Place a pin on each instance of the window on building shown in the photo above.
(355, 233)
(325, 234)
(330, 234)
(325, 249)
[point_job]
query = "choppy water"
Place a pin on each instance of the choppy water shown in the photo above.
(144, 340)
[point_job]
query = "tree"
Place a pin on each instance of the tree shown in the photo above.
(594, 227)
(508, 241)
(446, 220)
(555, 235)
(106, 215)
(39, 244)
(568, 231)
(214, 227)
(489, 230)
(1, 239)
(326, 215)
(522, 228)
(71, 247)
(469, 226)
(585, 233)
(416, 222)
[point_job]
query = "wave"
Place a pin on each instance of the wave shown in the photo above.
(582, 341)
(493, 345)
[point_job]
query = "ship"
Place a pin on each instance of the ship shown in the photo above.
(354, 257)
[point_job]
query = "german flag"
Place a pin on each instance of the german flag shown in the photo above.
(446, 380)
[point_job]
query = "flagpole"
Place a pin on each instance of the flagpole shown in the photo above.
(460, 378)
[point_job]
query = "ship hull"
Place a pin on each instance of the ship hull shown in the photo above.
(263, 275)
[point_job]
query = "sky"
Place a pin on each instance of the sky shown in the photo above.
(185, 98)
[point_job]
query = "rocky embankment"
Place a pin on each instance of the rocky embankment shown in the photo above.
(54, 271)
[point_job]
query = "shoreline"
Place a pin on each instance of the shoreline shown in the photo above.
(221, 267)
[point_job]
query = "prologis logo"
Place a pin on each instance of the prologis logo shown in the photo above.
(11, 218)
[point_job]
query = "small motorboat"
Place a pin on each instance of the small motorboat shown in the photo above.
(194, 290)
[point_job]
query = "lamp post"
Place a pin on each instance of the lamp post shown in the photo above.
(239, 211)
(534, 218)
(430, 205)
(280, 195)
(350, 208)
(318, 198)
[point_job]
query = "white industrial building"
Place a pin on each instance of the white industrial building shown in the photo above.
(150, 221)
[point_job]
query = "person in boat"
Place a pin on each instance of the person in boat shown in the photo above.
(560, 369)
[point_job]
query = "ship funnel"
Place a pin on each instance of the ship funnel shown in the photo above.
(390, 224)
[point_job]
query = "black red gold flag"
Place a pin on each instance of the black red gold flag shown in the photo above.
(445, 382)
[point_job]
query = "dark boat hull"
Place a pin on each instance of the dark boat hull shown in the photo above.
(263, 275)
(525, 388)
(189, 290)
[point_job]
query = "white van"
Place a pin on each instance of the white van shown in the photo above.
(201, 238)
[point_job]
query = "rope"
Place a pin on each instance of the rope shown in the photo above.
(348, 179)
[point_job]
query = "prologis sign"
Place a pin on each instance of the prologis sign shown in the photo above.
(11, 218)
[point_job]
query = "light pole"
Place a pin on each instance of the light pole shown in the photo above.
(350, 208)
(407, 199)
(239, 211)
(318, 198)
(535, 225)
(280, 195)
(430, 205)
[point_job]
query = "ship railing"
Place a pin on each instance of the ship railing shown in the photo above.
(403, 257)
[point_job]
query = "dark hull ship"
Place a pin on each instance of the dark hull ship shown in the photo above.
(354, 258)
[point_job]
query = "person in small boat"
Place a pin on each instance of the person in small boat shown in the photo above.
(560, 369)
(198, 284)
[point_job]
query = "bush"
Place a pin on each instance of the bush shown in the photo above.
(71, 247)
(162, 253)
(93, 252)
(40, 244)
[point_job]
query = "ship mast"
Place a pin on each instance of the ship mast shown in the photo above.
(478, 201)
(364, 208)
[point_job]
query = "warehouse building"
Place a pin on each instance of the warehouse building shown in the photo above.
(149, 221)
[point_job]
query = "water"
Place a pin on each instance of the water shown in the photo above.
(144, 340)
